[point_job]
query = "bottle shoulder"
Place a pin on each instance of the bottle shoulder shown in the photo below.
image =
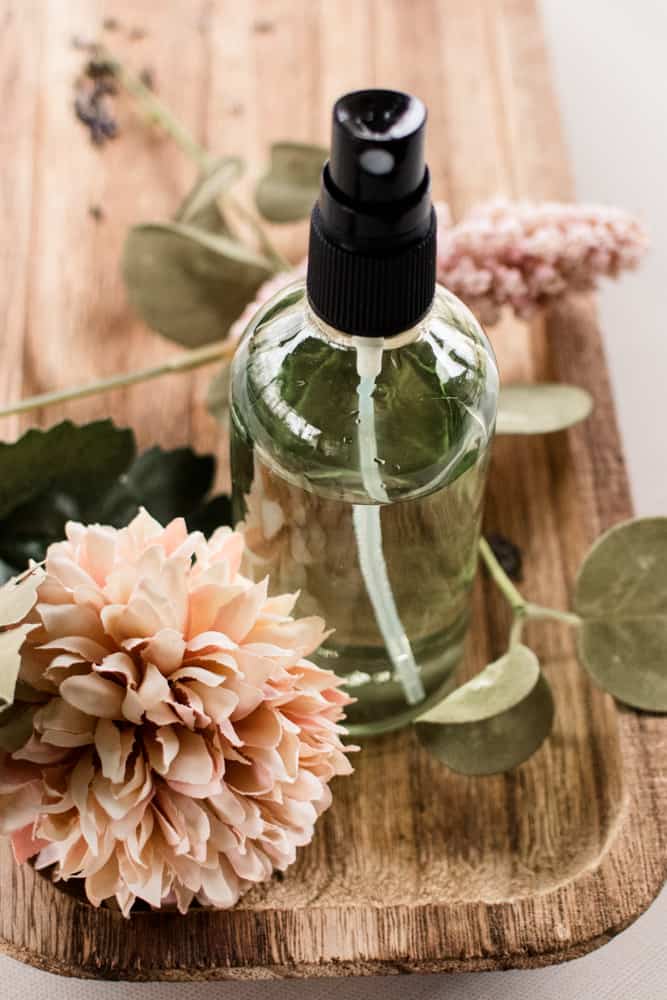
(295, 398)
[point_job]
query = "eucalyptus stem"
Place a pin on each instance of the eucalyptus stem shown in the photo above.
(219, 351)
(156, 111)
(516, 630)
(523, 610)
(159, 113)
(265, 243)
(500, 577)
(537, 612)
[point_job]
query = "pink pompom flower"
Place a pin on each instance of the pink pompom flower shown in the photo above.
(180, 744)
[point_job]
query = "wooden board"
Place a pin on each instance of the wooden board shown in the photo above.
(413, 868)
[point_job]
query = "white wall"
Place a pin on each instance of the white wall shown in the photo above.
(609, 62)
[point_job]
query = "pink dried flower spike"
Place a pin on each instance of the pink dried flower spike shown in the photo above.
(525, 255)
(185, 745)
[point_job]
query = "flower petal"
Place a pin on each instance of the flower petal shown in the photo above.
(303, 635)
(162, 749)
(237, 618)
(94, 695)
(25, 845)
(64, 725)
(192, 763)
(113, 747)
(261, 728)
(220, 886)
(154, 688)
(165, 650)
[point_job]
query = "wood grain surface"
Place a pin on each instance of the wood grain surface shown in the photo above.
(414, 868)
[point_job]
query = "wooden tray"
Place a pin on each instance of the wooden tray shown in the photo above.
(414, 868)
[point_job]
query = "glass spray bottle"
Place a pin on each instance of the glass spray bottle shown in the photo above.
(363, 406)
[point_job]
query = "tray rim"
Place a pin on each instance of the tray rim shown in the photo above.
(332, 969)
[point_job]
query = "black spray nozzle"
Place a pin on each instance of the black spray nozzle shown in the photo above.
(371, 261)
(377, 146)
(375, 186)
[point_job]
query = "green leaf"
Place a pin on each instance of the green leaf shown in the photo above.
(189, 284)
(290, 188)
(50, 477)
(203, 207)
(542, 408)
(171, 483)
(200, 207)
(621, 595)
(7, 571)
(10, 660)
(211, 515)
(25, 692)
(217, 397)
(82, 461)
(28, 531)
(494, 721)
(90, 474)
(16, 726)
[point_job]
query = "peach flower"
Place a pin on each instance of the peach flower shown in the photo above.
(183, 745)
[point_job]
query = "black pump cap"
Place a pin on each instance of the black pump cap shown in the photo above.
(377, 145)
(371, 262)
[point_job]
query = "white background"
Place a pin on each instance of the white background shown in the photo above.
(608, 58)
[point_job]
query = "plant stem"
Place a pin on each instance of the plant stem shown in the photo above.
(265, 243)
(523, 609)
(516, 631)
(219, 351)
(500, 577)
(159, 113)
(537, 613)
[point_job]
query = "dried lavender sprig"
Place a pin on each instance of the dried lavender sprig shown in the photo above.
(158, 113)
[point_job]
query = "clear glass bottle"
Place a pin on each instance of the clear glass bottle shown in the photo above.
(358, 464)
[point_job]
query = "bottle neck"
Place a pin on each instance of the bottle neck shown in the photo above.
(377, 293)
(349, 340)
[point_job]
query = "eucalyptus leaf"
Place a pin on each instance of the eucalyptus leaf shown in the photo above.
(495, 721)
(187, 283)
(217, 397)
(19, 596)
(290, 188)
(10, 660)
(621, 596)
(200, 206)
(541, 408)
